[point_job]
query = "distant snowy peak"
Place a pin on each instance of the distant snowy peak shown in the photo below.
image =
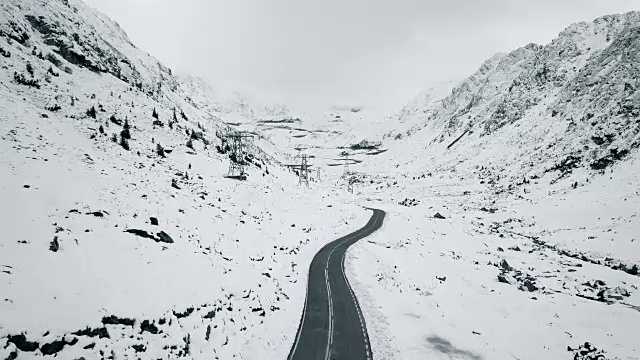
(227, 103)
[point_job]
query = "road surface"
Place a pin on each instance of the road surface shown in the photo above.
(332, 325)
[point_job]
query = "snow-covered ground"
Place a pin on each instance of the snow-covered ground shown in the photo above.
(240, 249)
(122, 246)
(142, 248)
(501, 277)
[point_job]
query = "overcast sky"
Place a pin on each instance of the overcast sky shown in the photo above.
(342, 52)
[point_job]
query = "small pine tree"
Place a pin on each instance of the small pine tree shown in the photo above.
(171, 124)
(92, 112)
(114, 138)
(175, 118)
(101, 129)
(124, 143)
(160, 150)
(30, 69)
(190, 143)
(126, 123)
(125, 134)
(155, 113)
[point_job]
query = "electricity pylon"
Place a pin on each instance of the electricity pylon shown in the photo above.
(237, 160)
(302, 169)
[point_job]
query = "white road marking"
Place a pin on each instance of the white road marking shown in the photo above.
(327, 353)
(330, 299)
(364, 333)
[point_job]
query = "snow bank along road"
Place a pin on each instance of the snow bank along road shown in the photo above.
(332, 326)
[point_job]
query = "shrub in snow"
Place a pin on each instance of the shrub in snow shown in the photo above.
(53, 108)
(6, 54)
(52, 72)
(91, 112)
(30, 69)
(54, 245)
(115, 120)
(124, 143)
(155, 113)
(160, 150)
(125, 134)
(53, 59)
(21, 79)
(68, 70)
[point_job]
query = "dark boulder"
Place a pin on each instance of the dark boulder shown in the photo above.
(164, 237)
(21, 342)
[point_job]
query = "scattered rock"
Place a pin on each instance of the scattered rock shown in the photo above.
(21, 342)
(139, 348)
(26, 186)
(12, 355)
(52, 347)
(154, 221)
(443, 278)
(114, 320)
(140, 233)
(505, 265)
(506, 278)
(515, 248)
(99, 332)
(164, 237)
(528, 285)
(438, 216)
(587, 352)
(184, 314)
(500, 249)
(149, 327)
(409, 202)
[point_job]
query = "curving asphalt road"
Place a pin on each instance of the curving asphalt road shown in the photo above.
(332, 326)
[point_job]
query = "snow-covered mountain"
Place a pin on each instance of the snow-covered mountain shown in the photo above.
(515, 234)
(571, 103)
(511, 196)
(121, 236)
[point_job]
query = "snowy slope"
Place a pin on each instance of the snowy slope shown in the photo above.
(514, 208)
(570, 103)
(122, 238)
